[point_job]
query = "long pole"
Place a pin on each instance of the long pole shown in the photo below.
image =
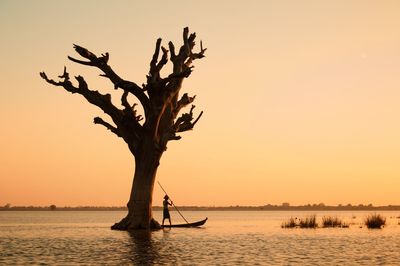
(172, 202)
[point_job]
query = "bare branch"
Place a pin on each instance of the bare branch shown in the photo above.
(65, 75)
(181, 66)
(138, 117)
(94, 97)
(81, 62)
(128, 126)
(163, 61)
(101, 63)
(191, 40)
(184, 122)
(65, 82)
(183, 102)
(164, 92)
(130, 110)
(177, 76)
(155, 68)
(194, 56)
(153, 62)
(185, 49)
(124, 100)
(200, 54)
(104, 57)
(99, 121)
(159, 96)
(85, 53)
(186, 56)
(174, 137)
(197, 119)
(172, 50)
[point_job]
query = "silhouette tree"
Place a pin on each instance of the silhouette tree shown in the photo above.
(147, 136)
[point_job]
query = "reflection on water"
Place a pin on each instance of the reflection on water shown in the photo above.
(144, 250)
(227, 238)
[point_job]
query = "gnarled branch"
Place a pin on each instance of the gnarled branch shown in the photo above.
(181, 63)
(185, 52)
(164, 92)
(99, 121)
(124, 100)
(130, 110)
(159, 97)
(184, 101)
(102, 64)
(184, 122)
(94, 97)
(154, 66)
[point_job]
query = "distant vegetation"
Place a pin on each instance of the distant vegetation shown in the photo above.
(311, 222)
(371, 221)
(307, 222)
(53, 207)
(329, 221)
(291, 223)
(268, 207)
(375, 221)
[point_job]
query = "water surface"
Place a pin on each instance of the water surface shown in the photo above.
(228, 238)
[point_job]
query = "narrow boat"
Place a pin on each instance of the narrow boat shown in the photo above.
(195, 224)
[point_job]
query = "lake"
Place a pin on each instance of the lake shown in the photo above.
(228, 238)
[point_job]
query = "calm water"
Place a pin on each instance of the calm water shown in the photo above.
(228, 238)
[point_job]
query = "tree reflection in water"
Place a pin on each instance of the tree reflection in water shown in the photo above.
(144, 249)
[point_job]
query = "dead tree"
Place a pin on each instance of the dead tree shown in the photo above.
(147, 135)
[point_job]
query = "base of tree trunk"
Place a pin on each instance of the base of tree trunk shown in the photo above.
(126, 224)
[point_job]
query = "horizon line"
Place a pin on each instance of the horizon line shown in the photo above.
(284, 205)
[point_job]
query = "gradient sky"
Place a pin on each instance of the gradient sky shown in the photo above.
(300, 100)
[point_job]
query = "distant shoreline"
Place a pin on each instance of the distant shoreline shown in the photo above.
(202, 208)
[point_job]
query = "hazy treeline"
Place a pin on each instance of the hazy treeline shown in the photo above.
(269, 207)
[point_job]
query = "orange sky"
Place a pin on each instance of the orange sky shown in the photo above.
(300, 100)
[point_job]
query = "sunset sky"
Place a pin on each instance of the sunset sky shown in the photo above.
(301, 102)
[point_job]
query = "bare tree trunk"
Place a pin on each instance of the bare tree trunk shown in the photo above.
(140, 201)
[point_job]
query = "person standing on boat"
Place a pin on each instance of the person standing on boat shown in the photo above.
(166, 215)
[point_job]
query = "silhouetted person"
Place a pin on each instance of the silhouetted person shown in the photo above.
(166, 215)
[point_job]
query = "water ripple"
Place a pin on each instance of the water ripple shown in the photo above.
(224, 241)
